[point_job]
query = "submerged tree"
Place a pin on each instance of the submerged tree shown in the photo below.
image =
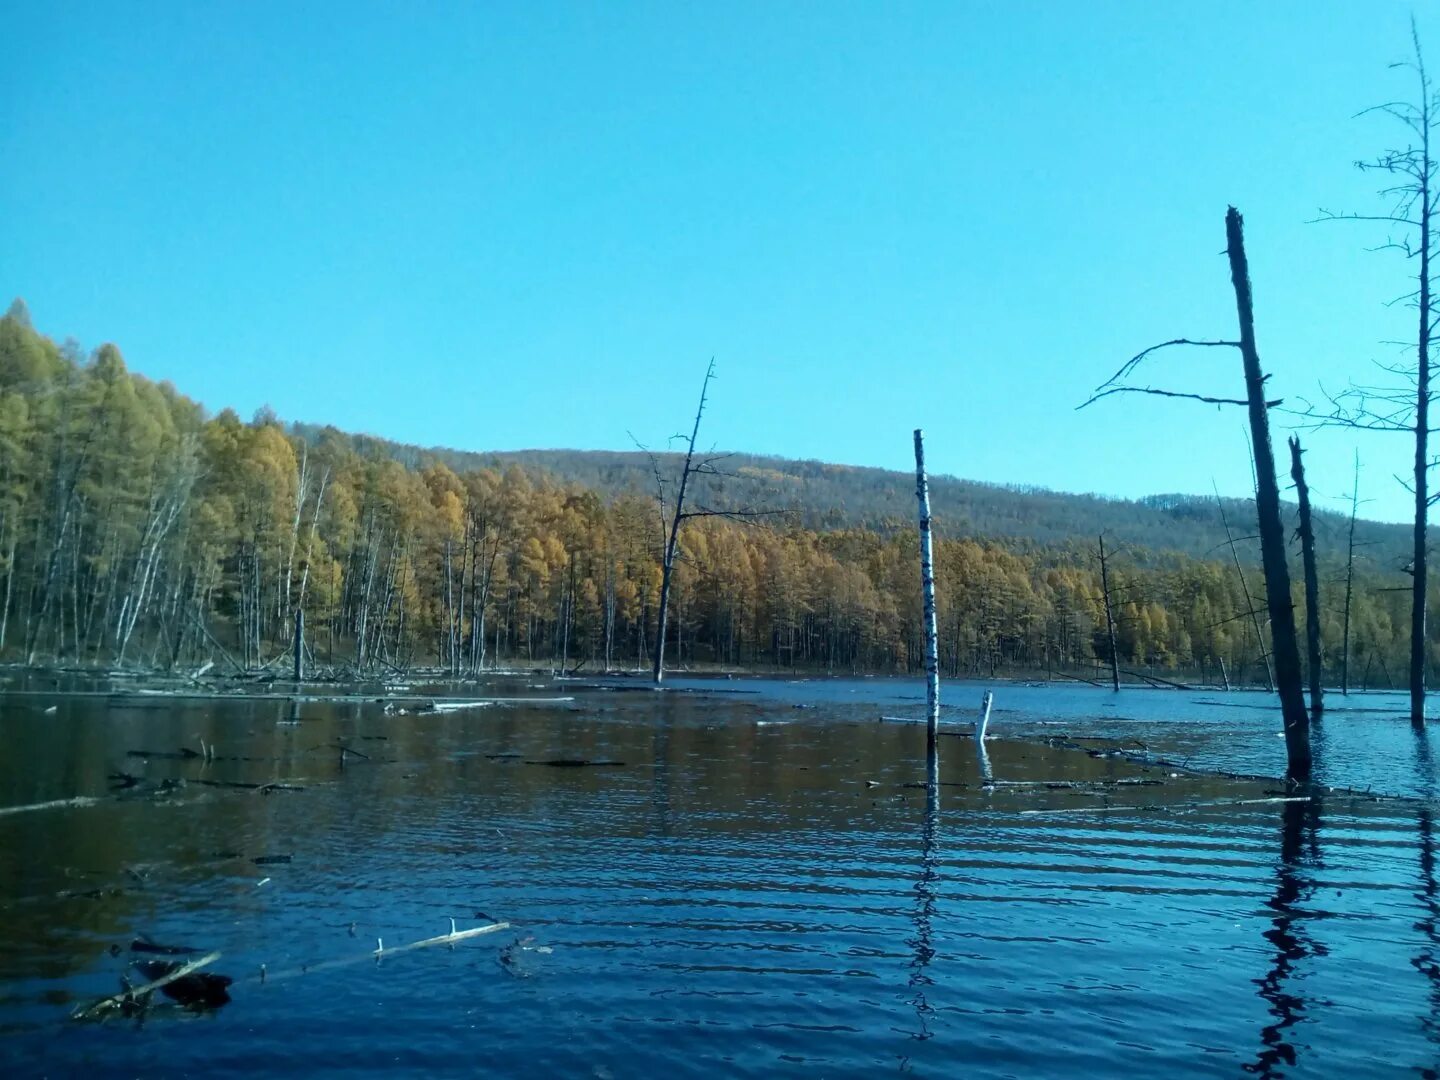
(1284, 646)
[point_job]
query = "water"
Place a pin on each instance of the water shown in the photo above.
(756, 889)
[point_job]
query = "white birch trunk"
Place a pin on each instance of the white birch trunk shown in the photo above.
(927, 587)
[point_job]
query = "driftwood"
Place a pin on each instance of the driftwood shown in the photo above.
(380, 951)
(134, 996)
(444, 939)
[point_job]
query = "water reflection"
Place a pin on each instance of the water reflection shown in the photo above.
(1294, 884)
(1427, 962)
(926, 897)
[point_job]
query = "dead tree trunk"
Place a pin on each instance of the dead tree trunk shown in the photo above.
(672, 544)
(1109, 617)
(1267, 507)
(1312, 582)
(1418, 598)
(927, 592)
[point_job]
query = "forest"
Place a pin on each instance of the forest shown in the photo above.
(137, 530)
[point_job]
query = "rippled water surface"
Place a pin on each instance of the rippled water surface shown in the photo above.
(744, 887)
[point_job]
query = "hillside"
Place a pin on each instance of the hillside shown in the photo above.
(828, 496)
(135, 528)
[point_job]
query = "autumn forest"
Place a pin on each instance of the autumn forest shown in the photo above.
(136, 530)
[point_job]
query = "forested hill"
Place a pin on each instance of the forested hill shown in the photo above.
(137, 529)
(828, 496)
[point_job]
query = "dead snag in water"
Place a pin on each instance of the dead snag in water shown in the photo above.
(1109, 617)
(1284, 645)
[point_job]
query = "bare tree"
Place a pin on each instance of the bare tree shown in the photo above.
(1404, 406)
(674, 518)
(1284, 646)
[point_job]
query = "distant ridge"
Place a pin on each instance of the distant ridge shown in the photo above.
(827, 496)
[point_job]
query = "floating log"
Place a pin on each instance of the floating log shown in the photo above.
(444, 939)
(380, 951)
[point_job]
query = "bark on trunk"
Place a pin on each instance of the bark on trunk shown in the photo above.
(1267, 506)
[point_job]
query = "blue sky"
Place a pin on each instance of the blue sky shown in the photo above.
(499, 226)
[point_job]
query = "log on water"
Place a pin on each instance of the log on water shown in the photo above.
(380, 951)
(132, 996)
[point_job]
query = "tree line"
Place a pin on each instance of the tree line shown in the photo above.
(136, 530)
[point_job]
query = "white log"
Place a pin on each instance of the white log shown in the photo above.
(446, 939)
(985, 703)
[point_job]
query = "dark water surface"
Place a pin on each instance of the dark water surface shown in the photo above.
(750, 889)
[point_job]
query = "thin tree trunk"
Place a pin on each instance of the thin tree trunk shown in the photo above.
(1109, 617)
(1249, 599)
(927, 592)
(1312, 582)
(1349, 580)
(1418, 597)
(672, 544)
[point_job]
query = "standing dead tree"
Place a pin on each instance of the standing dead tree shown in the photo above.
(1285, 647)
(1404, 407)
(927, 595)
(673, 518)
(1312, 581)
(1109, 617)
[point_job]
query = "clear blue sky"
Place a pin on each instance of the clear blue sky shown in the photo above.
(496, 226)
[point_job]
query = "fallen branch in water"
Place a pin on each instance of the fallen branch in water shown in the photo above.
(380, 951)
(132, 996)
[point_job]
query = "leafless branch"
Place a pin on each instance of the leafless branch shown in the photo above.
(1130, 364)
(1173, 394)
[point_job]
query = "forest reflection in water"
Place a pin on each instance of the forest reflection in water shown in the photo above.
(743, 887)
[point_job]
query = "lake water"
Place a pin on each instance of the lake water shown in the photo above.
(759, 883)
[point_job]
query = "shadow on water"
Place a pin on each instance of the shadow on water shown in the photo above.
(926, 899)
(1294, 884)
